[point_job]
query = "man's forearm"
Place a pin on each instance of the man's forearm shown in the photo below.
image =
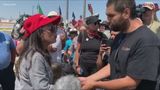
(100, 74)
(126, 83)
(76, 59)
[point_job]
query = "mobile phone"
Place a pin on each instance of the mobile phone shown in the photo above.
(108, 42)
(104, 41)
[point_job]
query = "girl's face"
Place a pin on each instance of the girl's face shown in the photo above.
(49, 34)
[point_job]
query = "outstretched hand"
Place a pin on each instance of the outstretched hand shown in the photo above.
(86, 84)
(104, 48)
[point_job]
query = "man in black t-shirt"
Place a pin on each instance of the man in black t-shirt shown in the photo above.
(134, 61)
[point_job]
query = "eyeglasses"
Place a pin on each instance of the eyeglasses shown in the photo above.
(53, 29)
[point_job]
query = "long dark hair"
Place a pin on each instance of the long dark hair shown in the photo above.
(34, 44)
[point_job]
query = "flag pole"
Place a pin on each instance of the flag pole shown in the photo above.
(38, 2)
(84, 9)
(67, 11)
(32, 10)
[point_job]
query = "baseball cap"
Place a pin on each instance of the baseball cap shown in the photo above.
(104, 23)
(149, 5)
(36, 21)
(52, 13)
(92, 20)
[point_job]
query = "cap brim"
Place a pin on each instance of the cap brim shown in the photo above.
(99, 20)
(55, 19)
(148, 7)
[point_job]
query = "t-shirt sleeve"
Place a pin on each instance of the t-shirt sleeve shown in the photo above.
(143, 64)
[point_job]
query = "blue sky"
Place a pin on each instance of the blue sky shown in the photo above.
(12, 8)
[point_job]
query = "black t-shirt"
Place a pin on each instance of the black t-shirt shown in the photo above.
(89, 47)
(136, 54)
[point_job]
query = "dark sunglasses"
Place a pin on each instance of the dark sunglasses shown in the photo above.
(53, 28)
(96, 23)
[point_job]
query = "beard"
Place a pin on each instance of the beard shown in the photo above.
(120, 25)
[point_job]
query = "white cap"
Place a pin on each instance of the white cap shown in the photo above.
(52, 13)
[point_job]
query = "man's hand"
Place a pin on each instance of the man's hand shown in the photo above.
(104, 48)
(82, 80)
(78, 70)
(87, 84)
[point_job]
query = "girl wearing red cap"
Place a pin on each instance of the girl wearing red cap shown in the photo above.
(35, 67)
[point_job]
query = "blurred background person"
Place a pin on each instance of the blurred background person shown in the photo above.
(56, 48)
(68, 53)
(103, 27)
(7, 59)
(149, 17)
(21, 45)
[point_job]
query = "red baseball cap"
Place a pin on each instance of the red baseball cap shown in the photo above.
(38, 20)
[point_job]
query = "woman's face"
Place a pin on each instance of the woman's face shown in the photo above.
(49, 34)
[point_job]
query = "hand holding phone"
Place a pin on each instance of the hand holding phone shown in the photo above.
(107, 42)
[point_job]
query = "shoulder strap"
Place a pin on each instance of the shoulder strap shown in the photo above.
(82, 41)
(83, 36)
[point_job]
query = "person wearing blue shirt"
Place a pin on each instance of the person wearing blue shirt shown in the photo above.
(67, 57)
(7, 57)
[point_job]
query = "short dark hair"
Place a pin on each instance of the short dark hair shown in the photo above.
(120, 5)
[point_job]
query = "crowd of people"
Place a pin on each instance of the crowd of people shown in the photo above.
(120, 53)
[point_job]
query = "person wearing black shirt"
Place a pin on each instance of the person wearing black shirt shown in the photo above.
(88, 46)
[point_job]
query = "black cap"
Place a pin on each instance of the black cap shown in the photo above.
(104, 23)
(92, 20)
(73, 33)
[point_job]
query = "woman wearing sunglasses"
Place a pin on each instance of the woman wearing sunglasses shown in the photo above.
(34, 71)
